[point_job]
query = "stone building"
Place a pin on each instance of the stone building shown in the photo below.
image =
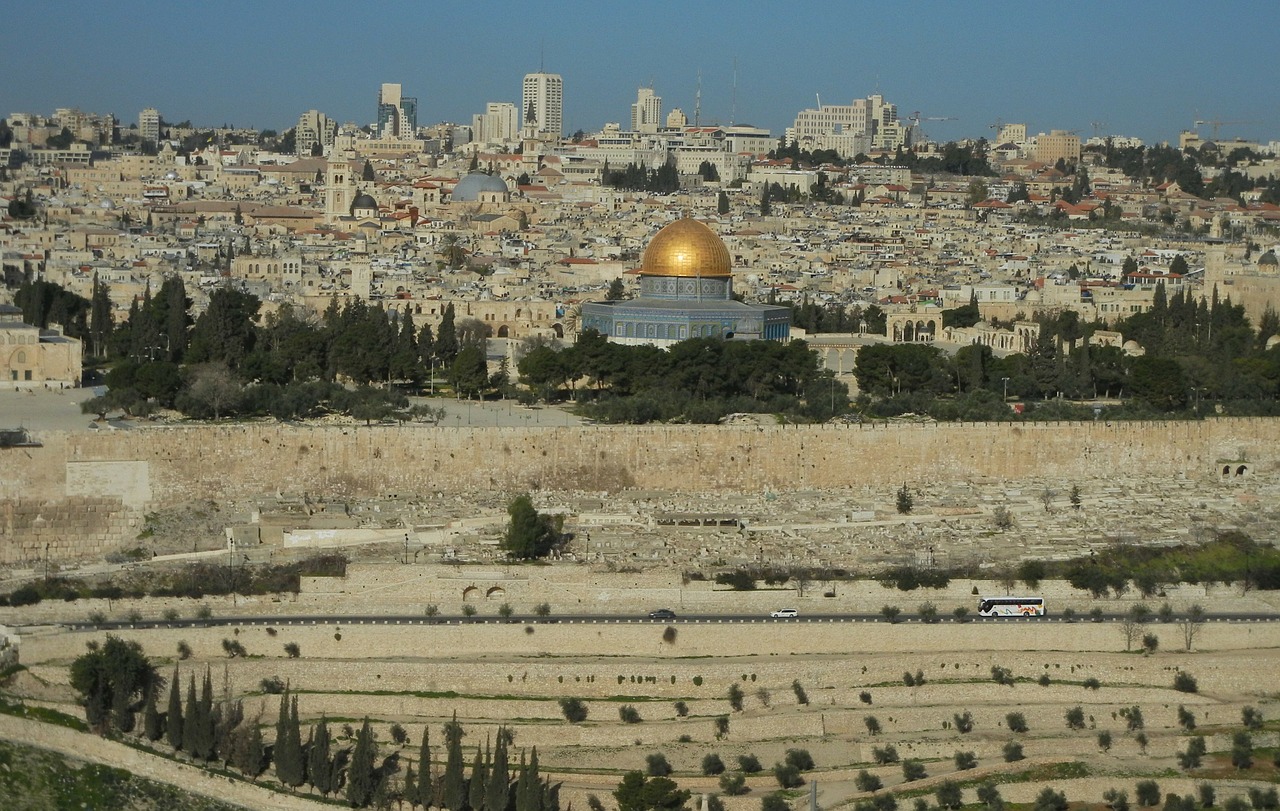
(30, 356)
(1255, 285)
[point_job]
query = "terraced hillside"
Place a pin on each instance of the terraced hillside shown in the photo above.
(837, 691)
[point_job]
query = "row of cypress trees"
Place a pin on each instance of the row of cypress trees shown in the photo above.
(204, 729)
(210, 731)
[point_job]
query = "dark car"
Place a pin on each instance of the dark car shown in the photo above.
(662, 614)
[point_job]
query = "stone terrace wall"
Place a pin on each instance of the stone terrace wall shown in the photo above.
(159, 467)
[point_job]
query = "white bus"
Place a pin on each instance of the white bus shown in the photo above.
(1011, 607)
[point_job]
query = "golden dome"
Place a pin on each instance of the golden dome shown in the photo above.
(686, 247)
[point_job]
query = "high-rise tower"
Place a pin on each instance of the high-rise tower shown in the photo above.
(646, 113)
(543, 104)
(314, 127)
(397, 113)
(149, 125)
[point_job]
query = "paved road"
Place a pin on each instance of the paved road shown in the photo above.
(588, 619)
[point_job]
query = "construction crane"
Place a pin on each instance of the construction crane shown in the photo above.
(915, 119)
(1098, 127)
(1219, 124)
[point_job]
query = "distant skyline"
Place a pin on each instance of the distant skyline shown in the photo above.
(1144, 69)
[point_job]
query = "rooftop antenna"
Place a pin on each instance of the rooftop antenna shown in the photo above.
(733, 109)
(542, 57)
(697, 102)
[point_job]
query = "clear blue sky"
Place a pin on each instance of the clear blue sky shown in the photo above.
(1142, 68)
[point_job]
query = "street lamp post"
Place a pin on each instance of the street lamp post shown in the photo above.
(1005, 381)
(231, 567)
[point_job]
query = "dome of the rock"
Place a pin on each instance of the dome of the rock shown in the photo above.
(686, 248)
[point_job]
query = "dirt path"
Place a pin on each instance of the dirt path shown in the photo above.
(85, 747)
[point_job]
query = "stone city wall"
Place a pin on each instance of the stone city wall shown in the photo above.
(158, 467)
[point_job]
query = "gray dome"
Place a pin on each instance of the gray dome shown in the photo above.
(1268, 258)
(364, 201)
(473, 185)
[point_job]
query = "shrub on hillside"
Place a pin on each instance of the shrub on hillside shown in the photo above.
(801, 696)
(885, 755)
(735, 697)
(774, 802)
(574, 710)
(656, 765)
(800, 758)
(733, 784)
(787, 775)
(1147, 792)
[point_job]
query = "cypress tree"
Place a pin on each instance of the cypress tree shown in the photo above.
(319, 759)
(152, 726)
(228, 723)
(177, 321)
(287, 753)
(295, 745)
(247, 749)
(454, 788)
(522, 784)
(361, 780)
(122, 707)
(446, 344)
(426, 344)
(100, 318)
(425, 795)
(208, 719)
(122, 338)
(535, 783)
(145, 332)
(173, 718)
(497, 790)
(404, 359)
(479, 781)
(410, 786)
(280, 753)
(191, 722)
